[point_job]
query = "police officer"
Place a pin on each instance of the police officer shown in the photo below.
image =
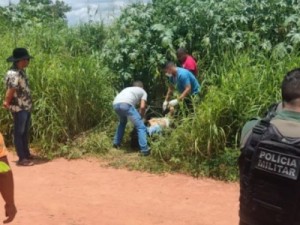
(270, 161)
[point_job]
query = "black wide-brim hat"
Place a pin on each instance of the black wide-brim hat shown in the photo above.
(19, 54)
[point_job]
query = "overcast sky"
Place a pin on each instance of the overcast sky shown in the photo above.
(83, 10)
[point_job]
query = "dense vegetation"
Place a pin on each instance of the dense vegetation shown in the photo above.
(72, 89)
(243, 47)
(145, 36)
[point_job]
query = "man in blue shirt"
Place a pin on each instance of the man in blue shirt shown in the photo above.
(185, 83)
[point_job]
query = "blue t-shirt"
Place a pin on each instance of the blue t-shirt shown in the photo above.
(184, 78)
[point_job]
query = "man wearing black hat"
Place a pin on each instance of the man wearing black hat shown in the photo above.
(18, 101)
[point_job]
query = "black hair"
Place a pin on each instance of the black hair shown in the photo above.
(290, 88)
(181, 51)
(138, 84)
(168, 64)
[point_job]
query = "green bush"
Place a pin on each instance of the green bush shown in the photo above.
(146, 35)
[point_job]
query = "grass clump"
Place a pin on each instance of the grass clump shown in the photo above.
(130, 160)
(88, 143)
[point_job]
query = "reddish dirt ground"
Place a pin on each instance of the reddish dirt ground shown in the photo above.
(81, 192)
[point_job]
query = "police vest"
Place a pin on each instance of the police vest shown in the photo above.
(269, 178)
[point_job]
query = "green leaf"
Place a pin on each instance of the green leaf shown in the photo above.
(158, 27)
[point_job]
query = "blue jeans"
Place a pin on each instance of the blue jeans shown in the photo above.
(125, 111)
(156, 129)
(21, 133)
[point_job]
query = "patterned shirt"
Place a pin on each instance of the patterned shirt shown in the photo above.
(18, 80)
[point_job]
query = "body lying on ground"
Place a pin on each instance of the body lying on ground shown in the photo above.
(156, 125)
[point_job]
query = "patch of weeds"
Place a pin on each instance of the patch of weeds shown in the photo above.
(224, 166)
(134, 161)
(95, 143)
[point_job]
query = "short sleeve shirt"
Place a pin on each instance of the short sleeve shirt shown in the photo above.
(190, 64)
(287, 122)
(131, 96)
(183, 79)
(18, 80)
(3, 151)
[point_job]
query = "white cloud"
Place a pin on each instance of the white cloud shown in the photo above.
(6, 2)
(96, 10)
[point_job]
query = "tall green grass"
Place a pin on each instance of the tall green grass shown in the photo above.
(72, 90)
(207, 142)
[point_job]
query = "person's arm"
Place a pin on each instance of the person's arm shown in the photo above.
(7, 192)
(247, 130)
(169, 93)
(143, 105)
(185, 93)
(8, 97)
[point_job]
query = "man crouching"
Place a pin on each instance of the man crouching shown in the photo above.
(124, 105)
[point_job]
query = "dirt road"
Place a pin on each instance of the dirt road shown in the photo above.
(81, 192)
